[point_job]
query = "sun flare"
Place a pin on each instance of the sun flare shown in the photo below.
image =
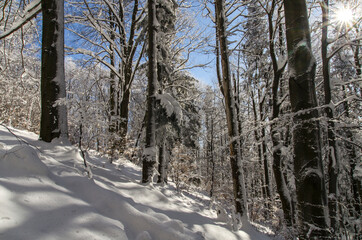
(344, 16)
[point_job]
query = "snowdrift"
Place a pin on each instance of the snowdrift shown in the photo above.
(46, 194)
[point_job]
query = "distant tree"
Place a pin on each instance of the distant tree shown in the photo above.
(112, 33)
(20, 79)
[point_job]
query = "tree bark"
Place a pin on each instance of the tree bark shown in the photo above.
(53, 122)
(277, 141)
(162, 163)
(333, 156)
(113, 98)
(150, 151)
(310, 184)
(257, 139)
(211, 149)
(235, 151)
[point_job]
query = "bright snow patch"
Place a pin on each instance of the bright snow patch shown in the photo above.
(46, 194)
(170, 105)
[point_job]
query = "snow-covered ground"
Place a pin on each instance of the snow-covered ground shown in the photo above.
(45, 194)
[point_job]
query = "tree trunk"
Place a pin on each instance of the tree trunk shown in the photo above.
(235, 151)
(267, 186)
(310, 185)
(277, 141)
(123, 124)
(257, 140)
(162, 163)
(333, 156)
(53, 122)
(356, 56)
(113, 99)
(356, 183)
(211, 149)
(150, 151)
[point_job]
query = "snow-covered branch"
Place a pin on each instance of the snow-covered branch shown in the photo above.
(30, 12)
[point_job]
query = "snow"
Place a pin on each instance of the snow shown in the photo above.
(170, 105)
(30, 11)
(60, 74)
(281, 62)
(46, 194)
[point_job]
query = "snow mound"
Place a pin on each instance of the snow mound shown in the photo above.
(46, 195)
(21, 161)
(144, 236)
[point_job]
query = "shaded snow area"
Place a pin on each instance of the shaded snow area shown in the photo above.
(45, 194)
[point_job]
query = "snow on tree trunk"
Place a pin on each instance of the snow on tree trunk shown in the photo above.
(113, 100)
(277, 142)
(150, 151)
(53, 122)
(310, 185)
(124, 112)
(333, 156)
(162, 163)
(232, 122)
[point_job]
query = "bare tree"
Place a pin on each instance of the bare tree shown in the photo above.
(231, 115)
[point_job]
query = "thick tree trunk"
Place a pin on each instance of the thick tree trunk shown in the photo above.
(310, 184)
(352, 152)
(53, 122)
(150, 151)
(235, 151)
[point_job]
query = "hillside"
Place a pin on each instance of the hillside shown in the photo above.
(46, 194)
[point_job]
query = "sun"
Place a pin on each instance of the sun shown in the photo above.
(343, 16)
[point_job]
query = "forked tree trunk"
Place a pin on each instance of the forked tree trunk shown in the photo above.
(235, 151)
(310, 184)
(276, 137)
(53, 122)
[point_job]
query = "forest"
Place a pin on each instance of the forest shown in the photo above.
(256, 104)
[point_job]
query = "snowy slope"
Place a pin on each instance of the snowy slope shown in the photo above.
(46, 194)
